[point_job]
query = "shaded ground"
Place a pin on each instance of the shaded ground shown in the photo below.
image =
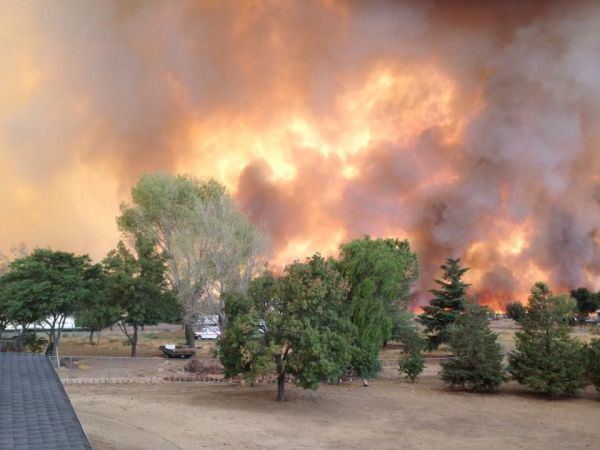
(386, 415)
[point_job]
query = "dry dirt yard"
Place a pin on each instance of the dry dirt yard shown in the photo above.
(386, 415)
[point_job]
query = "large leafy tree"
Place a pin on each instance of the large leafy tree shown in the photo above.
(210, 247)
(19, 251)
(516, 311)
(100, 312)
(381, 273)
(478, 358)
(587, 301)
(546, 357)
(47, 287)
(136, 289)
(4, 319)
(294, 325)
(444, 308)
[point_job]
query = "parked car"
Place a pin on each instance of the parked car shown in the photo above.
(208, 333)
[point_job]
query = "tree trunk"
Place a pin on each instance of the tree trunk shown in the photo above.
(51, 345)
(222, 320)
(134, 341)
(281, 387)
(189, 334)
(21, 341)
(92, 336)
(52, 349)
(57, 342)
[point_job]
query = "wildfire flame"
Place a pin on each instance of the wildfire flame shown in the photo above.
(472, 130)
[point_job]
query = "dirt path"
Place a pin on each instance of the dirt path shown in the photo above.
(384, 416)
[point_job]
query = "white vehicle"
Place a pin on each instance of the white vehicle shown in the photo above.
(208, 333)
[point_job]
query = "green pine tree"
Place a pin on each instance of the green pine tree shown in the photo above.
(445, 307)
(478, 362)
(547, 358)
(592, 355)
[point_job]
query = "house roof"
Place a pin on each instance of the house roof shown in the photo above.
(35, 411)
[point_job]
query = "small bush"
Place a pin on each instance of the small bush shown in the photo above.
(411, 365)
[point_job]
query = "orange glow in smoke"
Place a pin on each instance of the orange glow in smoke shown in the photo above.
(325, 123)
(390, 103)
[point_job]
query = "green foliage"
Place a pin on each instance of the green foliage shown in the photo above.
(411, 362)
(592, 362)
(135, 288)
(210, 247)
(294, 325)
(33, 343)
(546, 358)
(5, 303)
(100, 312)
(516, 311)
(168, 211)
(47, 286)
(478, 362)
(587, 302)
(381, 273)
(444, 308)
(411, 365)
(160, 199)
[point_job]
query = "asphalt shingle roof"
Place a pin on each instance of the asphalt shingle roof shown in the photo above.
(35, 411)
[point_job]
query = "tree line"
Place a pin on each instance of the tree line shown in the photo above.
(187, 250)
(586, 302)
(324, 317)
(321, 317)
(546, 357)
(128, 288)
(184, 245)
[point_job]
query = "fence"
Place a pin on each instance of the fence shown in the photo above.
(12, 343)
(114, 369)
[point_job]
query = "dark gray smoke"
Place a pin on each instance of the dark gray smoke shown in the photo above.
(484, 144)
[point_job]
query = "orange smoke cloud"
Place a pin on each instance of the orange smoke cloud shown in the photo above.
(471, 129)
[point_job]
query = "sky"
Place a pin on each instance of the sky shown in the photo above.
(470, 128)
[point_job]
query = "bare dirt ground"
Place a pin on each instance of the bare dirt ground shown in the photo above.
(389, 414)
(114, 343)
(386, 415)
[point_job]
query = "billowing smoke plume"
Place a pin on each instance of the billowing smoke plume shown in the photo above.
(472, 128)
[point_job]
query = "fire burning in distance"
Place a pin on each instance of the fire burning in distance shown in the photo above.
(472, 128)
